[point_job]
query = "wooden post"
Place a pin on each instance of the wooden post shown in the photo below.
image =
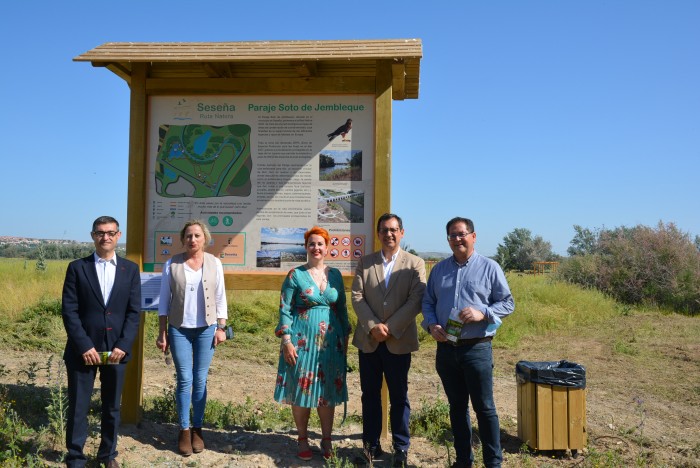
(382, 171)
(132, 396)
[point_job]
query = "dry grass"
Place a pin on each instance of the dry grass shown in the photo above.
(23, 285)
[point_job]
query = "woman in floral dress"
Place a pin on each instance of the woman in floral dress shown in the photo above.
(314, 329)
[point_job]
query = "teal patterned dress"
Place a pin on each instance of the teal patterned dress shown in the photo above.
(318, 325)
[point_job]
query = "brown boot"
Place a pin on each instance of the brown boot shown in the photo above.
(185, 442)
(197, 440)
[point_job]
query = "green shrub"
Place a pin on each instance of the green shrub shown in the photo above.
(161, 408)
(581, 269)
(45, 308)
(432, 421)
(641, 265)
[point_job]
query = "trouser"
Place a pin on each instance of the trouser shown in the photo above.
(467, 372)
(192, 350)
(394, 368)
(81, 381)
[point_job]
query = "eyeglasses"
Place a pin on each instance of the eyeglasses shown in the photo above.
(102, 234)
(389, 230)
(458, 236)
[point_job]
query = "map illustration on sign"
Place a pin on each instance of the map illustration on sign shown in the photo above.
(202, 161)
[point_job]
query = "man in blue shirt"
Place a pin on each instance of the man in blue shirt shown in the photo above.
(476, 288)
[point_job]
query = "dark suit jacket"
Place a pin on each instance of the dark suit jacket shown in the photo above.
(396, 305)
(89, 322)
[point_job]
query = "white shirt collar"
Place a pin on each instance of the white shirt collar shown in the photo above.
(112, 260)
(393, 257)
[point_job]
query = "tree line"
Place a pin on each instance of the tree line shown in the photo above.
(657, 266)
(50, 251)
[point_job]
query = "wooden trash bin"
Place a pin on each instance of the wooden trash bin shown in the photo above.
(551, 417)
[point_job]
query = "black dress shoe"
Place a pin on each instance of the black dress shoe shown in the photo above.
(461, 464)
(400, 458)
(372, 453)
(111, 463)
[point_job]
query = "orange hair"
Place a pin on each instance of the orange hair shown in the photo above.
(317, 231)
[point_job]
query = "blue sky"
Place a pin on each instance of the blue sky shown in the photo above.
(531, 114)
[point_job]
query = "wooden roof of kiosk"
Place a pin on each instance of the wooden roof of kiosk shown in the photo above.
(340, 66)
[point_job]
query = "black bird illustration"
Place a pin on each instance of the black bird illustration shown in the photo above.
(342, 130)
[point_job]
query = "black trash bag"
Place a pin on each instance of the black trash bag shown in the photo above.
(561, 373)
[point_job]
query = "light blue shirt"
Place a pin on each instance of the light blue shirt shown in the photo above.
(479, 283)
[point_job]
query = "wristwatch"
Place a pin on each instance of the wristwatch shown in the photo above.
(220, 326)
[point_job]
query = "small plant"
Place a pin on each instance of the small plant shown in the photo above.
(525, 456)
(41, 261)
(641, 413)
(432, 421)
(57, 408)
(607, 459)
(624, 347)
(13, 433)
(337, 462)
(162, 408)
(251, 415)
(29, 375)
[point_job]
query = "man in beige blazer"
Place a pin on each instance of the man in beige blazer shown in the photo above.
(386, 295)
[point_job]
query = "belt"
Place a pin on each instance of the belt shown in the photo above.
(468, 341)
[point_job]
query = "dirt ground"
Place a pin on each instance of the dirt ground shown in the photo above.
(621, 412)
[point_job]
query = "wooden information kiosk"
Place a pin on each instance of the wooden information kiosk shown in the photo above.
(242, 134)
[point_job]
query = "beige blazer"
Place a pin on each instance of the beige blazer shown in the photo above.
(396, 305)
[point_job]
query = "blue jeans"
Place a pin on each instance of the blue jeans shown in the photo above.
(467, 372)
(193, 350)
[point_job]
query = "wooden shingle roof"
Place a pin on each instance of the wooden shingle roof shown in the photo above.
(266, 59)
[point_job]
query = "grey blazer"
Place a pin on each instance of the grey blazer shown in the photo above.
(396, 305)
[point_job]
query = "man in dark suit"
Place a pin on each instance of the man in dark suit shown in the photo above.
(386, 295)
(101, 306)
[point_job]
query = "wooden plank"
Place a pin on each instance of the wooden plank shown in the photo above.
(521, 402)
(544, 417)
(529, 415)
(560, 418)
(337, 85)
(526, 437)
(258, 50)
(382, 149)
(577, 418)
(382, 178)
(583, 415)
(398, 71)
(306, 68)
(120, 70)
(210, 70)
(132, 396)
